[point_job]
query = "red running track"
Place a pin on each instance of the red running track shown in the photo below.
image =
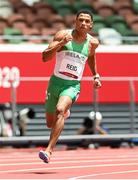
(102, 163)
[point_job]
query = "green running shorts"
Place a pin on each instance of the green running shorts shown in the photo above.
(59, 87)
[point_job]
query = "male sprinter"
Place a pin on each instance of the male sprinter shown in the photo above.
(72, 49)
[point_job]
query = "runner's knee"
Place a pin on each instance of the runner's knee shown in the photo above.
(60, 110)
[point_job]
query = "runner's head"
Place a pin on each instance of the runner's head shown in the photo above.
(84, 21)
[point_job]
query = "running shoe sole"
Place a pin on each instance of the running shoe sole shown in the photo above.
(43, 155)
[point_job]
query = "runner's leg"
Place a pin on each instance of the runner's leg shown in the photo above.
(63, 105)
(50, 118)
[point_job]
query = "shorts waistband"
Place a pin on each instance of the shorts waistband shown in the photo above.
(59, 80)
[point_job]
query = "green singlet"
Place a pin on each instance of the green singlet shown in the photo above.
(69, 67)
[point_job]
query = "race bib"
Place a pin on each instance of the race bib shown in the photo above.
(71, 68)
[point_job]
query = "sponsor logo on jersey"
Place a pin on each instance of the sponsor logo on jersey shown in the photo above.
(75, 55)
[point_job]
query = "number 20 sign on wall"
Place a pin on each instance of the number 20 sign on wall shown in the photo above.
(9, 76)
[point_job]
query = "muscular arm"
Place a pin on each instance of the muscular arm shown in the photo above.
(91, 59)
(60, 39)
(92, 62)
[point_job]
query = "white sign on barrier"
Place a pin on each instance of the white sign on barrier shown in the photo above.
(9, 76)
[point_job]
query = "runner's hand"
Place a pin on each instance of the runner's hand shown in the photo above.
(93, 45)
(97, 83)
(66, 39)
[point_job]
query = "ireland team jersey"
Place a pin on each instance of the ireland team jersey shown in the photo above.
(70, 61)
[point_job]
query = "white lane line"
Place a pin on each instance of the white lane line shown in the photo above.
(68, 167)
(68, 154)
(64, 162)
(100, 174)
(19, 158)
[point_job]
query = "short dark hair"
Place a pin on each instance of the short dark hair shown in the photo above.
(84, 11)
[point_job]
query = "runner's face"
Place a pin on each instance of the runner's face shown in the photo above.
(84, 22)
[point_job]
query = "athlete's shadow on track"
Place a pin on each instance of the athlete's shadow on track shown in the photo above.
(45, 172)
(40, 173)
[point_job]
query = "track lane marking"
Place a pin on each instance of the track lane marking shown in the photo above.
(99, 174)
(68, 167)
(62, 157)
(62, 162)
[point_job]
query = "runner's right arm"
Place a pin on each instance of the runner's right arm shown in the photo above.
(60, 39)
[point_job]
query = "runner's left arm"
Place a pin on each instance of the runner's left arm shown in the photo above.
(92, 62)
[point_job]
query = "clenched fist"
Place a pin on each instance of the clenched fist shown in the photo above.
(66, 39)
(97, 83)
(93, 45)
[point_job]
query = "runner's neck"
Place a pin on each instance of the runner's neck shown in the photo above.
(79, 37)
